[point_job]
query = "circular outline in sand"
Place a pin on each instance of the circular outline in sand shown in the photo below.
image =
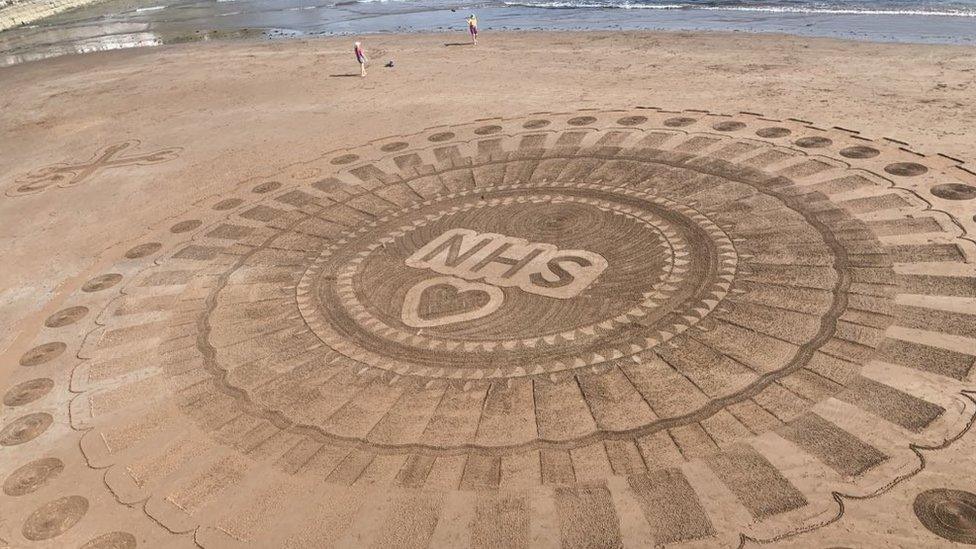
(25, 429)
(266, 187)
(441, 137)
(66, 316)
(773, 132)
(101, 282)
(630, 121)
(813, 142)
(344, 159)
(930, 508)
(185, 226)
(728, 126)
(584, 120)
(859, 152)
(488, 130)
(143, 250)
(54, 518)
(679, 121)
(32, 476)
(28, 391)
(112, 540)
(227, 204)
(43, 353)
(906, 169)
(954, 191)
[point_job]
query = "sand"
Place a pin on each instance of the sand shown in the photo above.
(768, 300)
(229, 104)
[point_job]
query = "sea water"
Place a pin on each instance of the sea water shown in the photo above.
(118, 23)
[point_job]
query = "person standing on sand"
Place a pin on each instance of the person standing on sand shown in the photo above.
(361, 57)
(473, 28)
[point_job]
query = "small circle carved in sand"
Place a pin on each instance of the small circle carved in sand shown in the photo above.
(101, 282)
(487, 130)
(728, 126)
(228, 204)
(441, 137)
(143, 250)
(28, 391)
(950, 514)
(112, 540)
(954, 191)
(395, 146)
(45, 352)
(581, 120)
(67, 316)
(32, 476)
(773, 132)
(185, 226)
(813, 142)
(905, 169)
(345, 159)
(266, 187)
(679, 122)
(860, 152)
(25, 429)
(55, 518)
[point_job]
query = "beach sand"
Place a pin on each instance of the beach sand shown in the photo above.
(238, 109)
(222, 115)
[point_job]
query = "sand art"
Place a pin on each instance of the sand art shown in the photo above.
(582, 329)
(68, 174)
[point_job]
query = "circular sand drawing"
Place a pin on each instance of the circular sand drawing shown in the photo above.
(588, 327)
(950, 514)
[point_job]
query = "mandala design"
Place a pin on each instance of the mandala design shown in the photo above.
(599, 327)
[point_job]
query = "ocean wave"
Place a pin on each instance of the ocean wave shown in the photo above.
(814, 10)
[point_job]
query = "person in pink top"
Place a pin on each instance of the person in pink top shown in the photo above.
(361, 57)
(473, 29)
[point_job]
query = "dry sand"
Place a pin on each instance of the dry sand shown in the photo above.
(137, 142)
(238, 109)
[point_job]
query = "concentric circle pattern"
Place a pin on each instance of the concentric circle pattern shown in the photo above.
(950, 514)
(585, 326)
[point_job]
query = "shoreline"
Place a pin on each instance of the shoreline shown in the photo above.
(121, 24)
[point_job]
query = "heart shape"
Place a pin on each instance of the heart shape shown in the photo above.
(448, 300)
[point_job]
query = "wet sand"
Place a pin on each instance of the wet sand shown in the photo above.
(112, 160)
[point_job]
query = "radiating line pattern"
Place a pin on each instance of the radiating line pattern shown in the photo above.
(782, 319)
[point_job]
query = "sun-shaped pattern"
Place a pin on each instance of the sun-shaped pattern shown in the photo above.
(592, 328)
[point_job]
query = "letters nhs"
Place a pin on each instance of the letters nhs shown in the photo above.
(505, 261)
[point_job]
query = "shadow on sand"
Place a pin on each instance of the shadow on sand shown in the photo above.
(449, 44)
(349, 75)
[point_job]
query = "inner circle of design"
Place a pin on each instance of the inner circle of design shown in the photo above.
(548, 294)
(590, 270)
